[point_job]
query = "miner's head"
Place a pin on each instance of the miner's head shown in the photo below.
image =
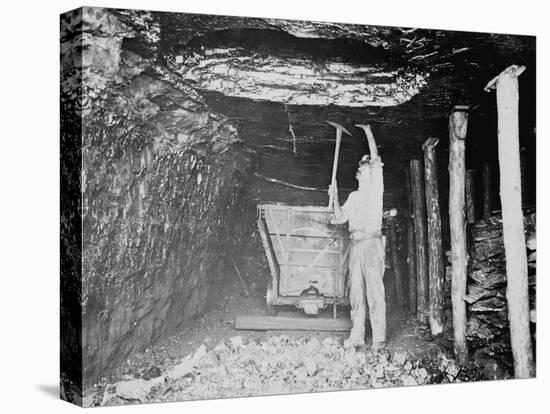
(364, 170)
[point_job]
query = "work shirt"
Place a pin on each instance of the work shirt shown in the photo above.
(363, 210)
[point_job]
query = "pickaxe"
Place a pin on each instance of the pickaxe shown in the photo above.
(339, 129)
(370, 138)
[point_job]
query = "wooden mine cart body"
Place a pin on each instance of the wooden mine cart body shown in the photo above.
(308, 257)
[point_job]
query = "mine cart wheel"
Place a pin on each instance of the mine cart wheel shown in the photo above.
(269, 306)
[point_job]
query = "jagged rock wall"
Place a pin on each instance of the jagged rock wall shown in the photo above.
(155, 243)
(163, 186)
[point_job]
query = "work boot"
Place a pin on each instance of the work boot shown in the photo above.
(353, 343)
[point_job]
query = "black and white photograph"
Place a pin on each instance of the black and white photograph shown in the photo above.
(251, 205)
(255, 206)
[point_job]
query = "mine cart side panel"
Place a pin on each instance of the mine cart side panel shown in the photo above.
(308, 250)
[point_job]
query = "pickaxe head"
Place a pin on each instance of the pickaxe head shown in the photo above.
(339, 127)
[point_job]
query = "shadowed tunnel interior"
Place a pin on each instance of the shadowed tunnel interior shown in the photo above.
(190, 121)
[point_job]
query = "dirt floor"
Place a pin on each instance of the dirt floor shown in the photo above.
(210, 359)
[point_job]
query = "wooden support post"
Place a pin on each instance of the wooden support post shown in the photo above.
(411, 249)
(470, 197)
(435, 248)
(458, 124)
(512, 219)
(487, 191)
(419, 213)
(398, 280)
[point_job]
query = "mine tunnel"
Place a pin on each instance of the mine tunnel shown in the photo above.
(193, 121)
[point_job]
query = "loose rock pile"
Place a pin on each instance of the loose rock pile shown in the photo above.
(279, 365)
(488, 326)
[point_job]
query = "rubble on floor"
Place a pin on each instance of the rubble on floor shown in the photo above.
(239, 367)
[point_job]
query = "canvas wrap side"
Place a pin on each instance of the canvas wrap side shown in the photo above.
(70, 207)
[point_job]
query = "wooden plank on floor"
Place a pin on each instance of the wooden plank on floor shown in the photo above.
(272, 323)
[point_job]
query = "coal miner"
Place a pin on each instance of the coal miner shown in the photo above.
(363, 213)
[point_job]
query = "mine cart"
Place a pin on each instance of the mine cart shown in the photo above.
(308, 257)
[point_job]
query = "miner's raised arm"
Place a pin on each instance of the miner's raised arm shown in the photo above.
(339, 216)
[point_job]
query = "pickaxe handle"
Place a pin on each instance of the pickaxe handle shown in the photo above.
(339, 129)
(335, 166)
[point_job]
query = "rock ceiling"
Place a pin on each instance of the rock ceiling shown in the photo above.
(202, 83)
(297, 81)
(393, 76)
(317, 63)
